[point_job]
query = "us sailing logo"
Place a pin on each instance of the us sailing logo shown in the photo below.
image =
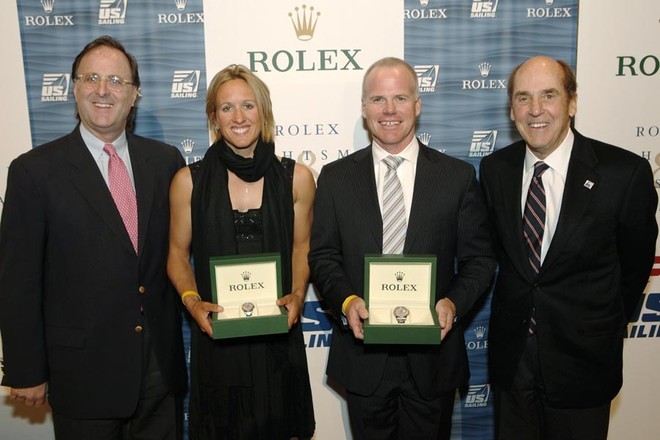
(483, 143)
(316, 325)
(185, 84)
(477, 396)
(483, 9)
(427, 75)
(645, 322)
(112, 12)
(55, 87)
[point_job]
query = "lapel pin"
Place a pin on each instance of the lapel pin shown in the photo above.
(588, 184)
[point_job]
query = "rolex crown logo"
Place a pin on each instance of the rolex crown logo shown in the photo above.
(399, 275)
(480, 331)
(304, 22)
(187, 145)
(246, 275)
(48, 5)
(181, 4)
(425, 138)
(484, 69)
(549, 2)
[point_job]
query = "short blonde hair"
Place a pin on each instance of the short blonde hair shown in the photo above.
(261, 95)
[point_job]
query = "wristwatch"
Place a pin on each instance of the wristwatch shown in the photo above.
(248, 308)
(401, 313)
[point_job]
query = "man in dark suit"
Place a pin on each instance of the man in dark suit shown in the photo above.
(87, 314)
(565, 292)
(399, 391)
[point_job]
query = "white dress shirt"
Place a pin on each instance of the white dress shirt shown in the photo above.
(405, 172)
(95, 147)
(554, 180)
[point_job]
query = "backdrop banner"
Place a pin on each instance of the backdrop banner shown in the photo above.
(618, 103)
(167, 39)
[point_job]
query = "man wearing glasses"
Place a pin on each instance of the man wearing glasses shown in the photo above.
(87, 315)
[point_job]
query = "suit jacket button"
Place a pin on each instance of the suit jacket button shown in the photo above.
(138, 329)
(525, 323)
(141, 289)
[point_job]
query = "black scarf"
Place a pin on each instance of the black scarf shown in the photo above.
(248, 169)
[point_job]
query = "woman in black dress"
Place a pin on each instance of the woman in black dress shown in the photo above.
(243, 199)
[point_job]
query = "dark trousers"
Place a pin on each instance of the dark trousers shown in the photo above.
(523, 413)
(158, 416)
(397, 411)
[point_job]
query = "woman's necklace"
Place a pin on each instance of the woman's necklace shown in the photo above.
(245, 195)
(248, 185)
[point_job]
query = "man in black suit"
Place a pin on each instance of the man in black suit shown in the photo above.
(399, 391)
(87, 315)
(559, 312)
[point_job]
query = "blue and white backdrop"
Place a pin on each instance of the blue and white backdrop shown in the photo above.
(312, 54)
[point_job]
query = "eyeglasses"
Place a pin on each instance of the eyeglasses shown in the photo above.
(92, 81)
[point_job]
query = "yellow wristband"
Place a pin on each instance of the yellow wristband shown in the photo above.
(345, 303)
(188, 293)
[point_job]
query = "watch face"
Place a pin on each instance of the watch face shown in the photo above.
(248, 308)
(401, 313)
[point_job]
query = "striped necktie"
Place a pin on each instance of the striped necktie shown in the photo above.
(394, 209)
(534, 217)
(534, 224)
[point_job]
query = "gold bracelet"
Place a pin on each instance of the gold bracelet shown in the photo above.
(188, 293)
(345, 303)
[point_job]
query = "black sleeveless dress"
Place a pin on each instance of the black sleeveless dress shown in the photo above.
(252, 387)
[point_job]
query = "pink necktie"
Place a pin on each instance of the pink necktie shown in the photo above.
(123, 193)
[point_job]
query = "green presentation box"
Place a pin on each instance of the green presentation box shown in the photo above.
(402, 285)
(247, 287)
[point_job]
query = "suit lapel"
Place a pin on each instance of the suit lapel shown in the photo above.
(366, 196)
(582, 183)
(509, 194)
(144, 177)
(423, 197)
(87, 178)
